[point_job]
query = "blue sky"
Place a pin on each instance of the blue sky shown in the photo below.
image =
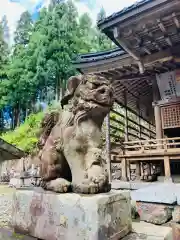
(14, 8)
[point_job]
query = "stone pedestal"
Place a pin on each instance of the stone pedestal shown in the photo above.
(51, 216)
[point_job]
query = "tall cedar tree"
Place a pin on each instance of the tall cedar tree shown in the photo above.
(19, 89)
(41, 61)
(3, 74)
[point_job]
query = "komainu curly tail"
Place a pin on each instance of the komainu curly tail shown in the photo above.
(47, 124)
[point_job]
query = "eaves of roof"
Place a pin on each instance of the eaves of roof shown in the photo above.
(98, 56)
(123, 11)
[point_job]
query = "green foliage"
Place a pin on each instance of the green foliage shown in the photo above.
(24, 29)
(40, 61)
(25, 136)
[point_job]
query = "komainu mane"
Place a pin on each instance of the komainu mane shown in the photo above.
(70, 152)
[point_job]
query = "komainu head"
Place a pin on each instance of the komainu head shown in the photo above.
(89, 93)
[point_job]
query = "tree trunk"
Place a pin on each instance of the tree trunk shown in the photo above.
(57, 89)
(18, 116)
(17, 113)
(1, 120)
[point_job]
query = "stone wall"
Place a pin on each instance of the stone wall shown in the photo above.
(7, 165)
(17, 164)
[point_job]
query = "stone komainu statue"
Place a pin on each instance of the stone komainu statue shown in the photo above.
(70, 153)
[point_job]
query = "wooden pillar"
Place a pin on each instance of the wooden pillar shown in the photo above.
(126, 117)
(158, 122)
(167, 169)
(124, 169)
(157, 110)
(128, 166)
(108, 145)
(139, 119)
(138, 170)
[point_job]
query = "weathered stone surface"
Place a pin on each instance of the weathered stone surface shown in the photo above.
(147, 231)
(5, 209)
(15, 182)
(178, 195)
(78, 126)
(8, 234)
(154, 213)
(176, 231)
(176, 214)
(159, 193)
(52, 216)
(139, 185)
(116, 184)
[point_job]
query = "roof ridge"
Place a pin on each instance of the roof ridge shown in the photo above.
(138, 3)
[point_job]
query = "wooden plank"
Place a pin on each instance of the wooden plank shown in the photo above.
(114, 111)
(134, 112)
(115, 136)
(117, 129)
(117, 121)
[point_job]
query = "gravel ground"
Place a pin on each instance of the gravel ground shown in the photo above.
(6, 195)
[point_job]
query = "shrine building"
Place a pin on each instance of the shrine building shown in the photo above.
(144, 69)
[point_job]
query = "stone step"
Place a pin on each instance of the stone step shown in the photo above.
(166, 193)
(147, 231)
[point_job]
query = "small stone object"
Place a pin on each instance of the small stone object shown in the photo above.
(47, 215)
(154, 213)
(176, 214)
(176, 231)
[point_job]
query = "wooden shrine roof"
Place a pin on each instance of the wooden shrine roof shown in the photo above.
(9, 152)
(146, 27)
(122, 70)
(148, 38)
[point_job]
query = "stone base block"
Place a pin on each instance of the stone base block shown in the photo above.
(51, 216)
(154, 213)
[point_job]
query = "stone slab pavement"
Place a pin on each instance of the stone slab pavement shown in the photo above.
(155, 192)
(167, 193)
(147, 231)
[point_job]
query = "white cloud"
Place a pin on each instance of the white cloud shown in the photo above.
(13, 11)
(112, 6)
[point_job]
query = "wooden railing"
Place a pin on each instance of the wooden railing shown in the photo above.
(170, 145)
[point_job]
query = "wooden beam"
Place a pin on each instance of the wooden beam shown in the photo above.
(140, 43)
(176, 21)
(162, 56)
(151, 37)
(164, 31)
(128, 49)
